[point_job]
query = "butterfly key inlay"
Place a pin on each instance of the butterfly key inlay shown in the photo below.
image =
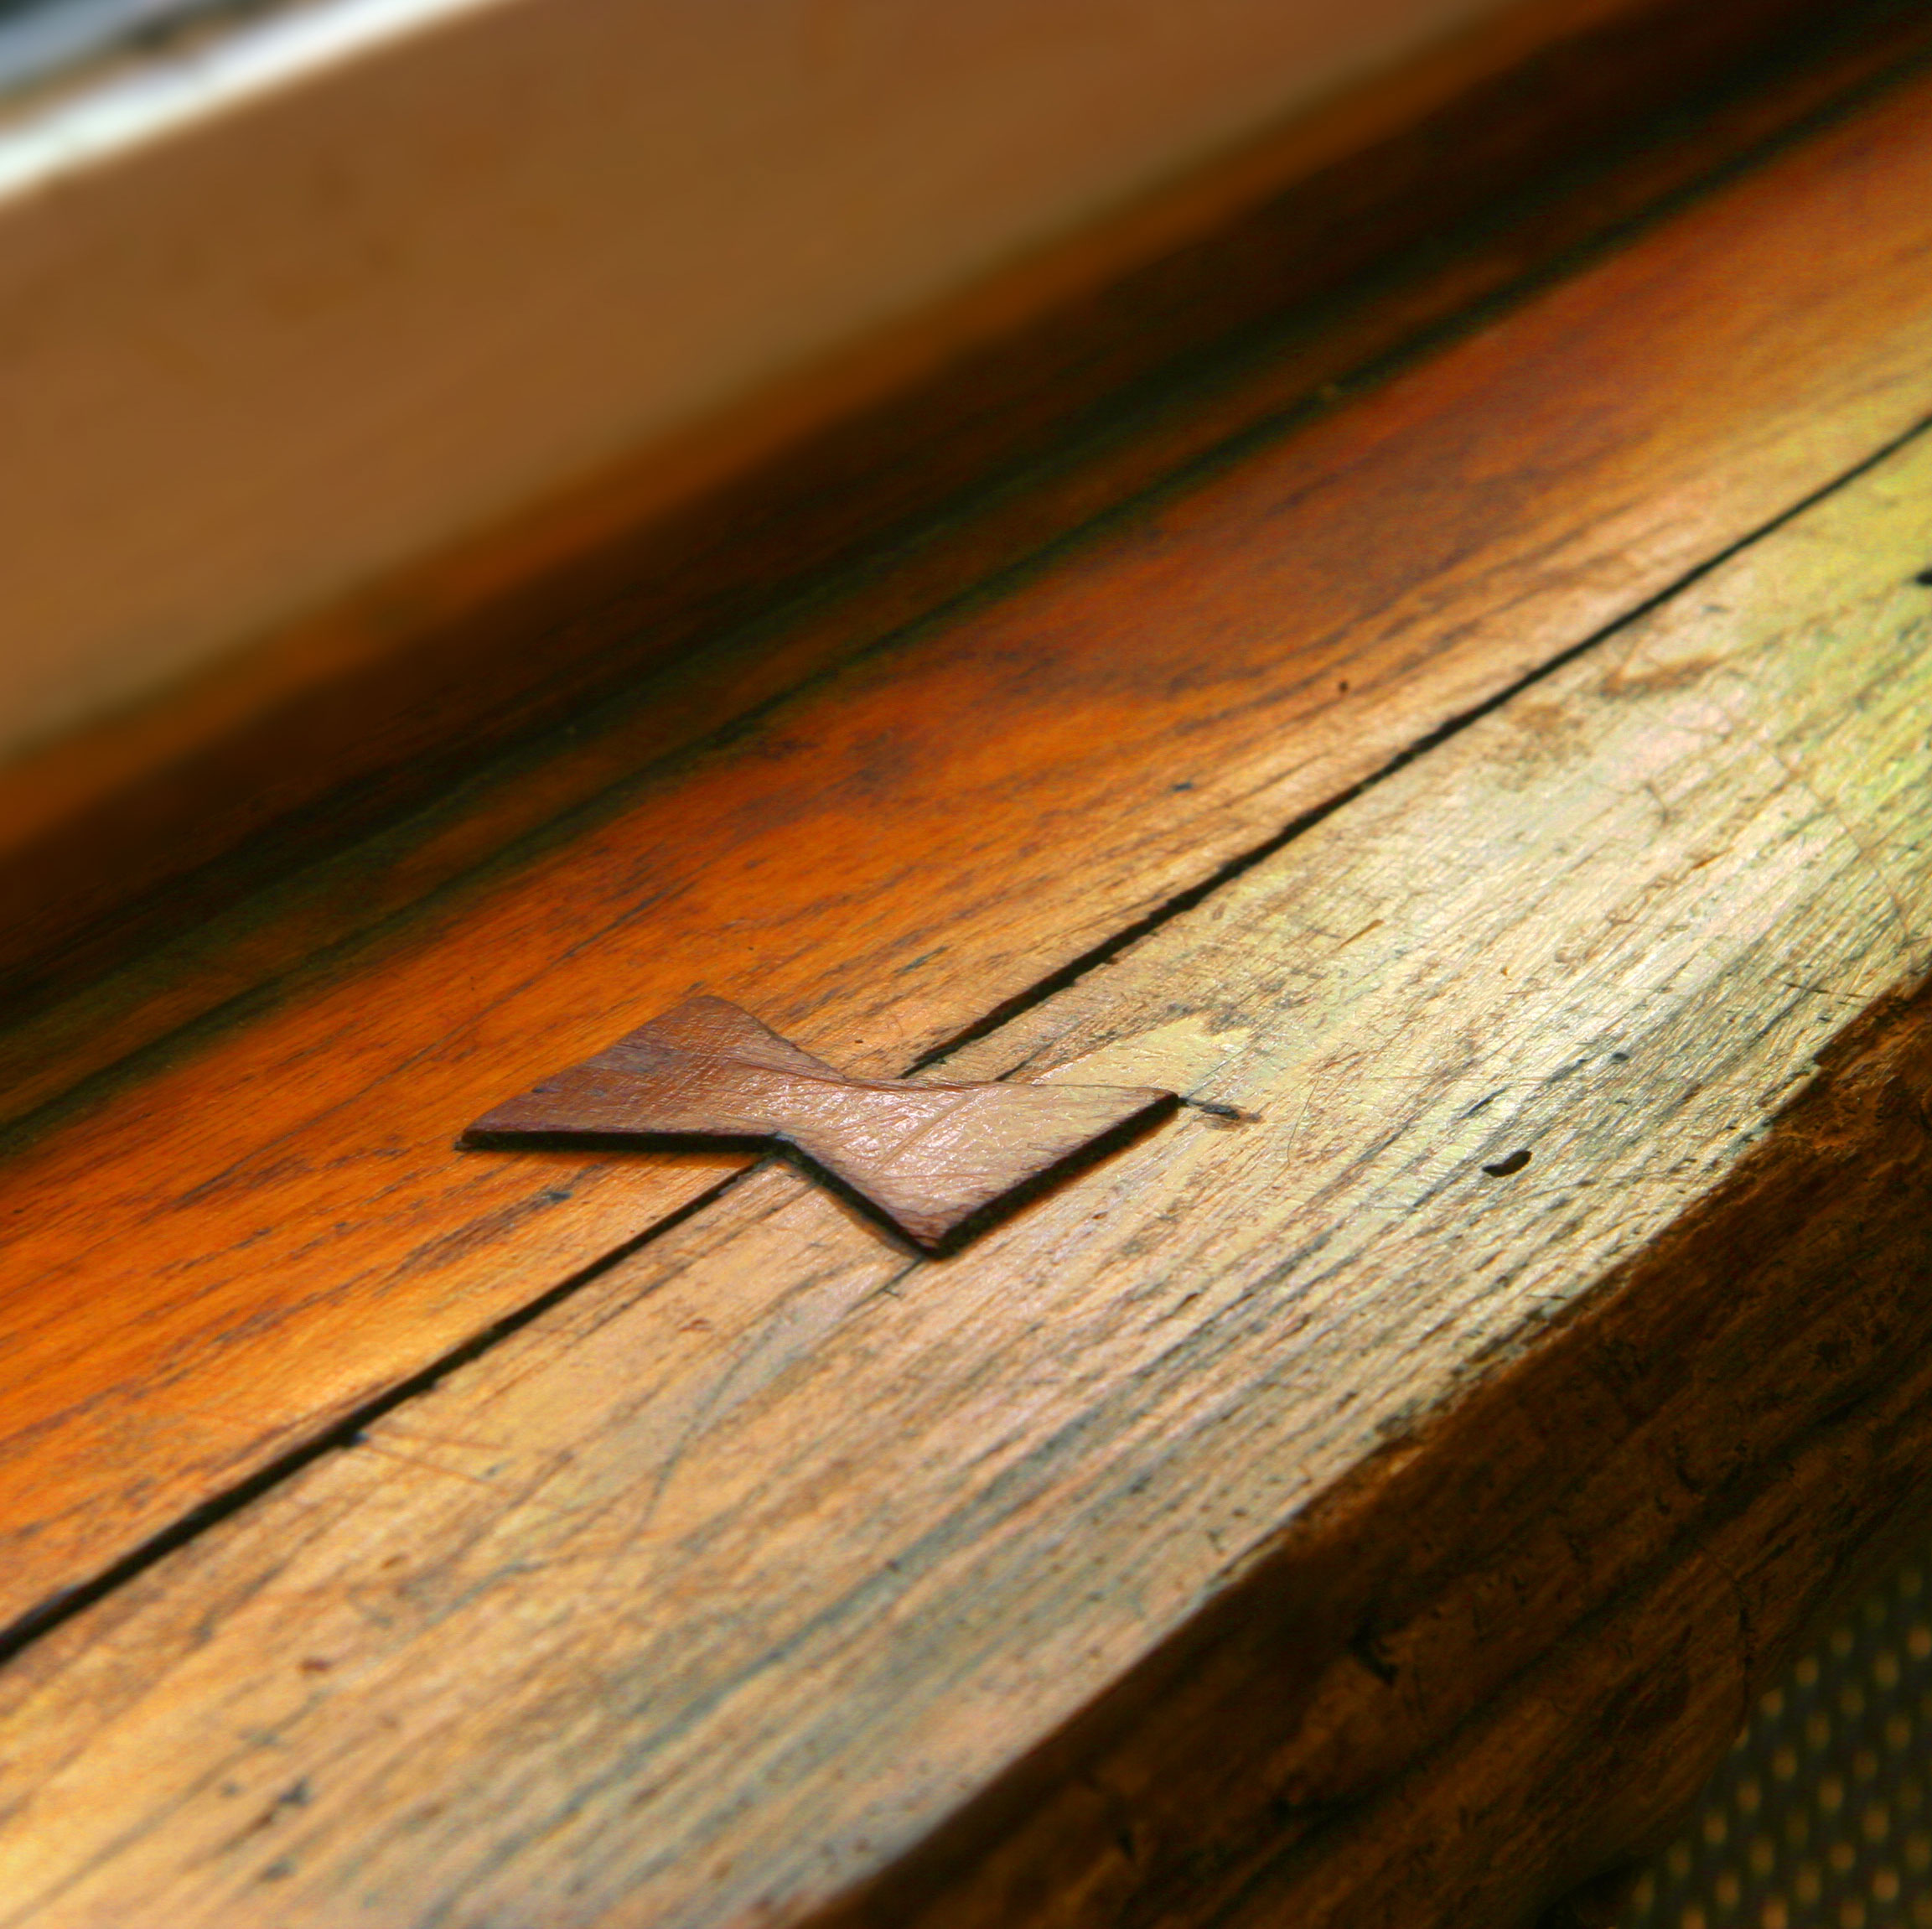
(932, 1158)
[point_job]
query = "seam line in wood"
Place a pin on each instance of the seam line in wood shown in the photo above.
(1110, 947)
(1389, 362)
(50, 1614)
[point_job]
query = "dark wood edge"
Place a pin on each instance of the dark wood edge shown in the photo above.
(169, 816)
(1179, 1797)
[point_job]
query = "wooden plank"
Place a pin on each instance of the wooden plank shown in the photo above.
(378, 699)
(1288, 1520)
(251, 1234)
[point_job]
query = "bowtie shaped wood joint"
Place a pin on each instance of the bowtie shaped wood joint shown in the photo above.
(936, 1161)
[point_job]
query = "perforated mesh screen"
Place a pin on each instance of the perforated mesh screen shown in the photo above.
(1821, 1816)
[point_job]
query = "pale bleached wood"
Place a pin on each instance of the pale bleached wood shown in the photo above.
(720, 1587)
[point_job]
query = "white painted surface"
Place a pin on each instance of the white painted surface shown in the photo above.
(318, 297)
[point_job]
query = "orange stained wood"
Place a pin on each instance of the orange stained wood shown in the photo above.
(266, 1222)
(1041, 1583)
(1151, 435)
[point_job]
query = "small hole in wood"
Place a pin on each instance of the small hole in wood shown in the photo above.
(1369, 1652)
(1924, 578)
(1504, 1167)
(1215, 1110)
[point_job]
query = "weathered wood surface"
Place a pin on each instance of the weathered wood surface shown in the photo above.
(1287, 1521)
(248, 1235)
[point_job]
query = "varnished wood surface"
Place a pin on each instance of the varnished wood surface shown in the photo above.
(1288, 1521)
(153, 822)
(263, 1225)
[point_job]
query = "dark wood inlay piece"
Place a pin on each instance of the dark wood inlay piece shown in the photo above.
(934, 1159)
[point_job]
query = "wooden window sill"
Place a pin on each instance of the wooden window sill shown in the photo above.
(1289, 1520)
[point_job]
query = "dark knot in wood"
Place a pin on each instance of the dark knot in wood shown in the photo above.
(937, 1161)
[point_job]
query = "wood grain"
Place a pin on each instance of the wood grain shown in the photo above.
(254, 1231)
(380, 700)
(1287, 1521)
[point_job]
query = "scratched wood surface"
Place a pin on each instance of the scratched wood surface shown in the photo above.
(262, 1224)
(1330, 1517)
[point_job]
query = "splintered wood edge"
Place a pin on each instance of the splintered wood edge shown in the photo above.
(1596, 1744)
